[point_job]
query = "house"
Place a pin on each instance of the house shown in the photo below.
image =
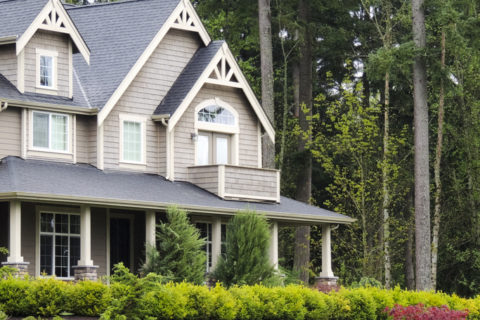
(110, 113)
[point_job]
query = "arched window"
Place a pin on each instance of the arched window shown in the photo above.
(216, 114)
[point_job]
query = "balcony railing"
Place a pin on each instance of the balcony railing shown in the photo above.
(237, 183)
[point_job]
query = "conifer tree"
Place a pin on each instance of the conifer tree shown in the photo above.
(179, 255)
(246, 261)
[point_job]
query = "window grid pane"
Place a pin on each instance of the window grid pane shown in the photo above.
(132, 141)
(216, 114)
(46, 71)
(40, 130)
(59, 132)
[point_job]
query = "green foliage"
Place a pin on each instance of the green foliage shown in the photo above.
(88, 298)
(179, 255)
(246, 260)
(367, 282)
(3, 316)
(47, 297)
(13, 293)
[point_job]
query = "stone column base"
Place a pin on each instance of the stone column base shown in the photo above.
(85, 273)
(325, 284)
(21, 267)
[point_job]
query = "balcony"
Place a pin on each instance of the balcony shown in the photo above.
(237, 183)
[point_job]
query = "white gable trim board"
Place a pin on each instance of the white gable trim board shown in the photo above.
(53, 17)
(182, 8)
(223, 57)
(189, 20)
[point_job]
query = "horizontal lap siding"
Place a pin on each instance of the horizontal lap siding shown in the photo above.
(85, 136)
(53, 42)
(8, 63)
(248, 137)
(204, 177)
(250, 182)
(99, 239)
(145, 94)
(10, 132)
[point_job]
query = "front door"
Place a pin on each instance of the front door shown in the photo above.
(120, 242)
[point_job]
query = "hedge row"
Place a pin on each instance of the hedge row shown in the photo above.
(149, 299)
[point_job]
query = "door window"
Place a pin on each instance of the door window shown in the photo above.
(213, 148)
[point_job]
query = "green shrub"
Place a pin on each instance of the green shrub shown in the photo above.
(12, 296)
(247, 260)
(362, 305)
(3, 316)
(88, 298)
(179, 255)
(47, 297)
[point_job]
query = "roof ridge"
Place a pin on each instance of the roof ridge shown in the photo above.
(101, 4)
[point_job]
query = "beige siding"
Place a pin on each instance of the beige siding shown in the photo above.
(99, 239)
(250, 182)
(248, 137)
(8, 63)
(85, 136)
(144, 95)
(10, 132)
(29, 234)
(48, 41)
(205, 177)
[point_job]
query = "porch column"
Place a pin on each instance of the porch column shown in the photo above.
(15, 259)
(85, 270)
(150, 231)
(327, 281)
(274, 244)
(216, 241)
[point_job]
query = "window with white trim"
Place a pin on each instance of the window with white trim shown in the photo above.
(216, 114)
(46, 69)
(50, 131)
(206, 233)
(59, 243)
(132, 140)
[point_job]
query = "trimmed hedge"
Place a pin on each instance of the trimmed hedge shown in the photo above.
(149, 298)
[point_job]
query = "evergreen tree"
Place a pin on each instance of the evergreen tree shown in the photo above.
(246, 261)
(179, 255)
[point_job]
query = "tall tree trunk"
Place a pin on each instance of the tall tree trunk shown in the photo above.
(423, 253)
(386, 192)
(266, 62)
(436, 168)
(304, 179)
(409, 269)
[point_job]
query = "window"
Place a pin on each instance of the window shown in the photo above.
(206, 233)
(59, 243)
(46, 69)
(132, 140)
(213, 148)
(216, 114)
(50, 131)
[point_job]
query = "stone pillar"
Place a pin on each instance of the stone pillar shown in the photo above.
(85, 270)
(327, 281)
(274, 244)
(216, 241)
(15, 259)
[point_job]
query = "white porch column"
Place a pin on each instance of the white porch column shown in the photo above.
(326, 253)
(85, 237)
(15, 249)
(216, 241)
(274, 244)
(150, 228)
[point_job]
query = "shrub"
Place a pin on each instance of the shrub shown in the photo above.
(179, 255)
(247, 260)
(420, 312)
(3, 316)
(12, 296)
(88, 298)
(47, 297)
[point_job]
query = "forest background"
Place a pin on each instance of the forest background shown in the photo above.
(353, 145)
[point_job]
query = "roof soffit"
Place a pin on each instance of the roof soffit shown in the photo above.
(53, 17)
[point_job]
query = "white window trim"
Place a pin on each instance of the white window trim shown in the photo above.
(54, 55)
(50, 150)
(233, 130)
(54, 210)
(143, 127)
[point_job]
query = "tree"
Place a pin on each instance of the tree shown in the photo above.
(179, 255)
(246, 261)
(423, 254)
(266, 66)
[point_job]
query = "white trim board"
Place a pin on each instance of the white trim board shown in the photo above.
(54, 17)
(182, 7)
(224, 55)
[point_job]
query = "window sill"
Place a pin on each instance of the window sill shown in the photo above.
(137, 166)
(50, 154)
(46, 90)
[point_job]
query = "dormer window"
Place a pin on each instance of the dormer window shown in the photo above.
(46, 69)
(50, 131)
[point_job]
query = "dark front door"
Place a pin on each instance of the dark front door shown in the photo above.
(120, 242)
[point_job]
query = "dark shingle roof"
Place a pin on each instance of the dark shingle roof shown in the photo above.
(9, 92)
(16, 16)
(188, 78)
(117, 34)
(84, 181)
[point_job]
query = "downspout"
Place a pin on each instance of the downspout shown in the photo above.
(164, 122)
(3, 106)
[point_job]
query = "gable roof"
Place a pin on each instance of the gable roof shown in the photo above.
(17, 15)
(187, 79)
(43, 180)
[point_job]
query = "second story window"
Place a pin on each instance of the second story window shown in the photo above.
(132, 139)
(46, 69)
(50, 131)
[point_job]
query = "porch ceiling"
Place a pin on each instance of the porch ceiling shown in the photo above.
(77, 183)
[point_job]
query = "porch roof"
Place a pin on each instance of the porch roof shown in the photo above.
(36, 180)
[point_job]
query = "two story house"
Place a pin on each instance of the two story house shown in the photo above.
(109, 114)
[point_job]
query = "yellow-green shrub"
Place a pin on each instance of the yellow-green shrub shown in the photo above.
(47, 297)
(12, 296)
(88, 298)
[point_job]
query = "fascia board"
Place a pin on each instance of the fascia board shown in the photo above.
(51, 107)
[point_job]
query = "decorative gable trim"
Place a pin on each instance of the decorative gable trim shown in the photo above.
(224, 70)
(178, 13)
(53, 17)
(188, 20)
